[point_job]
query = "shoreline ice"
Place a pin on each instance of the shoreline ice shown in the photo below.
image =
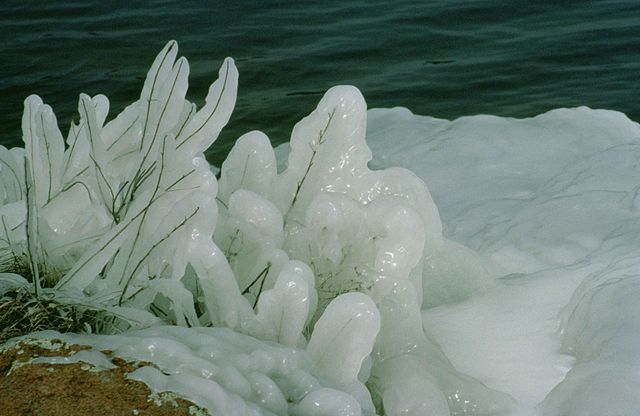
(551, 201)
(336, 270)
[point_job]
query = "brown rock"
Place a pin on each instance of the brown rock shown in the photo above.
(77, 389)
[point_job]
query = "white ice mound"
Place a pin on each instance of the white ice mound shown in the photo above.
(502, 185)
(549, 201)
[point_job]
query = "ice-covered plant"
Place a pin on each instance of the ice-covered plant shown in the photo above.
(108, 219)
(125, 219)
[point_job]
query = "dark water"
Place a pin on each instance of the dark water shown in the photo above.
(440, 58)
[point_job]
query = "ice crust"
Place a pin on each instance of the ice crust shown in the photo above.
(546, 202)
(326, 272)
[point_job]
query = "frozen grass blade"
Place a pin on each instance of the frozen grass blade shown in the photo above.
(203, 128)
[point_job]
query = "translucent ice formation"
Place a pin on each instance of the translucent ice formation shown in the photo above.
(377, 232)
(327, 257)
